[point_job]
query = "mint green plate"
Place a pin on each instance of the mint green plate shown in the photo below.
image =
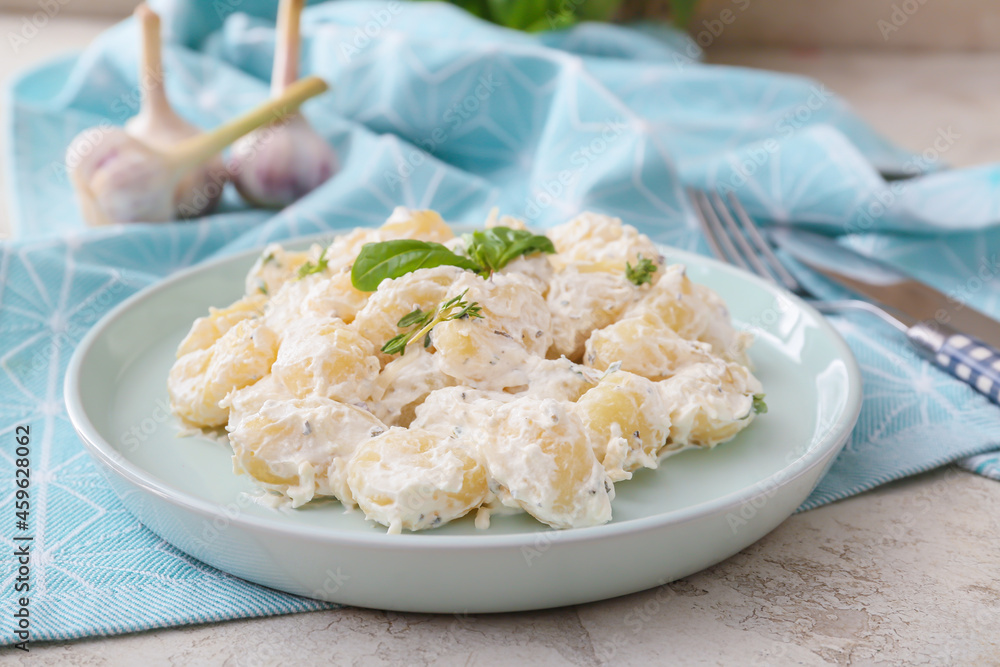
(697, 509)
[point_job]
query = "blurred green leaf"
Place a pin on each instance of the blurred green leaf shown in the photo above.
(542, 15)
(553, 21)
(597, 10)
(681, 12)
(517, 14)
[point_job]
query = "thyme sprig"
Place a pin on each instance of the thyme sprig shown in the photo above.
(419, 323)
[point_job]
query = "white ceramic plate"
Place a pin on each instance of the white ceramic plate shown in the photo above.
(697, 509)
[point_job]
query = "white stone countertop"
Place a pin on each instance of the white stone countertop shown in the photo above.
(906, 574)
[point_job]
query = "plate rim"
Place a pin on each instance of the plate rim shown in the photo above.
(108, 456)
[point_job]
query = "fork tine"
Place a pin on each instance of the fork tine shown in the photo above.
(693, 195)
(734, 233)
(764, 249)
(720, 243)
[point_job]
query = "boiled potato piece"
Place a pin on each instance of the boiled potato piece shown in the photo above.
(335, 297)
(461, 413)
(325, 357)
(474, 353)
(539, 459)
(275, 267)
(206, 330)
(592, 237)
(425, 289)
(298, 447)
(584, 298)
(406, 223)
(709, 403)
(415, 479)
(560, 379)
(643, 345)
(626, 421)
(694, 312)
(199, 380)
(510, 306)
(404, 383)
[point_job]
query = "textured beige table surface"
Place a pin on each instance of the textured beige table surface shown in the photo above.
(907, 574)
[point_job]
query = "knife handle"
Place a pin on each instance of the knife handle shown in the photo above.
(966, 357)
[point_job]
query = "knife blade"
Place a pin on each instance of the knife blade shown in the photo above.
(884, 284)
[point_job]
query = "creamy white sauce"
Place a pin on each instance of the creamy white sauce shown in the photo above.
(480, 415)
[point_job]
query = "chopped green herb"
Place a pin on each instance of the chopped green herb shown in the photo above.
(642, 272)
(319, 267)
(262, 287)
(266, 257)
(421, 323)
(759, 406)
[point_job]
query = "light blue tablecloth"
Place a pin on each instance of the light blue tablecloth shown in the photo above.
(431, 108)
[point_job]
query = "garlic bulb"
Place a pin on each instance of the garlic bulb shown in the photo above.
(160, 128)
(277, 164)
(118, 178)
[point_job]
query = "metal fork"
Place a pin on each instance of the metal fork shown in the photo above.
(742, 244)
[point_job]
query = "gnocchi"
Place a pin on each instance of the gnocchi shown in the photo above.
(527, 376)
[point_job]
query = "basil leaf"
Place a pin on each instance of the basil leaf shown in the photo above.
(391, 259)
(525, 243)
(496, 247)
(484, 250)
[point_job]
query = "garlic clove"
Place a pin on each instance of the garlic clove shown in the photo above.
(159, 127)
(278, 164)
(119, 179)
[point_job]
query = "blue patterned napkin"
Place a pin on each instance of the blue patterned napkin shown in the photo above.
(432, 108)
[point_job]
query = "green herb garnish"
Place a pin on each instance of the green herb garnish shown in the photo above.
(494, 248)
(391, 259)
(642, 272)
(759, 406)
(309, 268)
(421, 323)
(487, 251)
